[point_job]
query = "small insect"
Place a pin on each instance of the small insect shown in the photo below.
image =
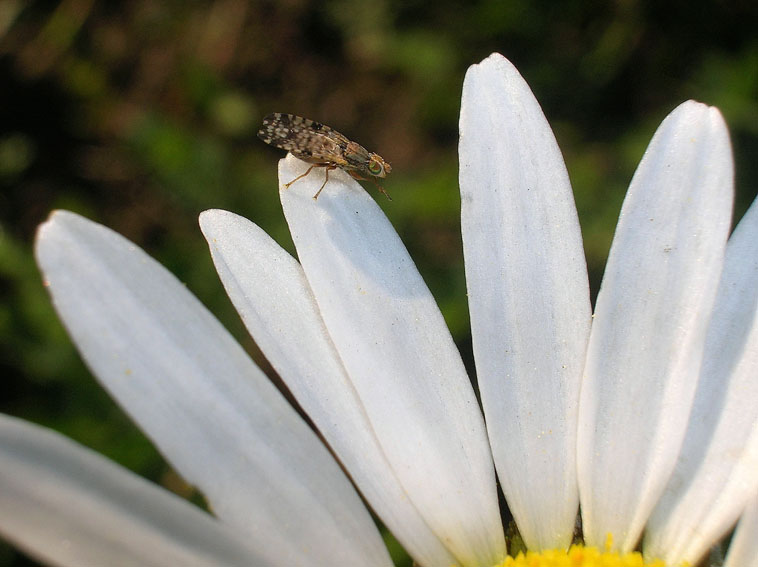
(321, 146)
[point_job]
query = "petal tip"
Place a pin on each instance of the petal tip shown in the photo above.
(495, 62)
(695, 111)
(210, 215)
(56, 220)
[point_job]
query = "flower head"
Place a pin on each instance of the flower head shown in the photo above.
(644, 414)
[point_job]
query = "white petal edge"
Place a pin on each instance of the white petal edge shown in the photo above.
(270, 292)
(716, 471)
(398, 353)
(528, 297)
(743, 549)
(69, 506)
(198, 396)
(650, 319)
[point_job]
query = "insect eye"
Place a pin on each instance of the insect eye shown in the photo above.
(374, 167)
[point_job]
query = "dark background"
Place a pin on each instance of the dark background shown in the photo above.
(142, 114)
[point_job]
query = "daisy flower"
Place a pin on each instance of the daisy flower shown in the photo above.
(643, 414)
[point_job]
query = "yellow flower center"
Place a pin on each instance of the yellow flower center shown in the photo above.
(578, 556)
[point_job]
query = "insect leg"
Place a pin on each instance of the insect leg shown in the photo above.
(381, 189)
(326, 178)
(286, 185)
(373, 180)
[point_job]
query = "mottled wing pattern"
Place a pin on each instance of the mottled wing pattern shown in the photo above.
(306, 139)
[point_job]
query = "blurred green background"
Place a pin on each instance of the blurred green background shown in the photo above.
(142, 114)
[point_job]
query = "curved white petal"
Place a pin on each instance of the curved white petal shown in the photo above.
(650, 320)
(528, 297)
(743, 549)
(196, 393)
(717, 470)
(271, 294)
(66, 505)
(399, 355)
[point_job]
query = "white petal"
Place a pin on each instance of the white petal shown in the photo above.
(199, 397)
(269, 290)
(399, 355)
(743, 549)
(528, 296)
(716, 471)
(66, 505)
(650, 319)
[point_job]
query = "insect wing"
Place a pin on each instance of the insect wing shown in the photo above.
(304, 138)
